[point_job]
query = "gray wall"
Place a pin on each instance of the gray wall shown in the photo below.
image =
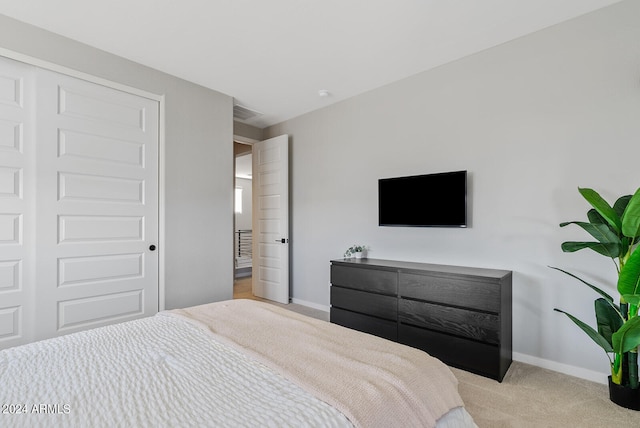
(247, 131)
(531, 120)
(199, 162)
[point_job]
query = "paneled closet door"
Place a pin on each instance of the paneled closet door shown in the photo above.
(17, 203)
(97, 204)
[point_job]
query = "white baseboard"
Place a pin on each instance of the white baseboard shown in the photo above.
(562, 368)
(310, 304)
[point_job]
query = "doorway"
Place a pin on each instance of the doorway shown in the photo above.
(269, 219)
(243, 239)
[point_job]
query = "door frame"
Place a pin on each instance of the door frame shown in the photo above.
(20, 57)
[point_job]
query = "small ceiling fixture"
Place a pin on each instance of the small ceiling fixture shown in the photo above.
(244, 113)
(323, 93)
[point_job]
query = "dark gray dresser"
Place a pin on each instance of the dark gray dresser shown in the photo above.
(460, 315)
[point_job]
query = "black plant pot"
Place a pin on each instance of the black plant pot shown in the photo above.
(624, 396)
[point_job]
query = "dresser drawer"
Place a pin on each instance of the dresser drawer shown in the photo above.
(479, 358)
(365, 323)
(366, 303)
(372, 280)
(451, 291)
(480, 326)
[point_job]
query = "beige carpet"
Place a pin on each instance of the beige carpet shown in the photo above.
(533, 397)
(528, 397)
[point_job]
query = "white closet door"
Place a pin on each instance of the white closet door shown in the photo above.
(97, 163)
(16, 203)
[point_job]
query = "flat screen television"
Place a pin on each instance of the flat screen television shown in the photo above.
(429, 200)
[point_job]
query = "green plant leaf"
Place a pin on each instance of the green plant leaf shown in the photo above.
(625, 245)
(616, 369)
(608, 318)
(606, 250)
(593, 287)
(603, 233)
(621, 204)
(591, 332)
(603, 208)
(595, 218)
(628, 337)
(631, 217)
(629, 278)
(632, 299)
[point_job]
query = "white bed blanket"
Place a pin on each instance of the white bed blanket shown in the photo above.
(352, 371)
(160, 371)
(154, 372)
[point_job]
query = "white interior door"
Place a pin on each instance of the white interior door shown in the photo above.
(17, 203)
(78, 204)
(97, 160)
(270, 277)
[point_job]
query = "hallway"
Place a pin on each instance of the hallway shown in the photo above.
(242, 290)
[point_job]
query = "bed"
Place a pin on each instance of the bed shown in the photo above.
(237, 363)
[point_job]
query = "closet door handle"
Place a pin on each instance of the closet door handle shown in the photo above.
(282, 241)
(152, 247)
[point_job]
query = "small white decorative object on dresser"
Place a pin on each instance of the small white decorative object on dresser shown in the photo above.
(356, 251)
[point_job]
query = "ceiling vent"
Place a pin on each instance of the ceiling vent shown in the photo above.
(243, 113)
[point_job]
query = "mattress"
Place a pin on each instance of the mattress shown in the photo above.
(157, 371)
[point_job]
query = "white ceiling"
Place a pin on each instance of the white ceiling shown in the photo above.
(274, 56)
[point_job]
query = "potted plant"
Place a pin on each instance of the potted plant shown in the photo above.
(616, 230)
(355, 251)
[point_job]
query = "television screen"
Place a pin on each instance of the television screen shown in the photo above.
(429, 200)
